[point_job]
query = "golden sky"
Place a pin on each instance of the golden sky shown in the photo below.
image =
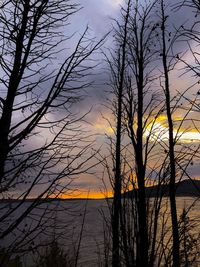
(158, 130)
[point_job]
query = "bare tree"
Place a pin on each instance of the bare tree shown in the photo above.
(139, 107)
(43, 146)
(172, 158)
(118, 75)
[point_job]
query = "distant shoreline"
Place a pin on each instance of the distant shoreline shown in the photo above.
(185, 188)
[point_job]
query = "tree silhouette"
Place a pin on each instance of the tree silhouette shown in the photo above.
(43, 146)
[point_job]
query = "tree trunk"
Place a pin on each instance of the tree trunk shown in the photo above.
(172, 189)
(117, 181)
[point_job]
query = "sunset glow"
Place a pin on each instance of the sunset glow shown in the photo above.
(103, 128)
(158, 131)
(93, 194)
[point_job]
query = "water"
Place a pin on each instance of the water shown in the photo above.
(65, 219)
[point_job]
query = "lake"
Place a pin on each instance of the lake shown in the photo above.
(65, 220)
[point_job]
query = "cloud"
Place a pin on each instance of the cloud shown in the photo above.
(116, 3)
(158, 130)
(97, 14)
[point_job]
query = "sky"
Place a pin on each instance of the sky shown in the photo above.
(98, 15)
